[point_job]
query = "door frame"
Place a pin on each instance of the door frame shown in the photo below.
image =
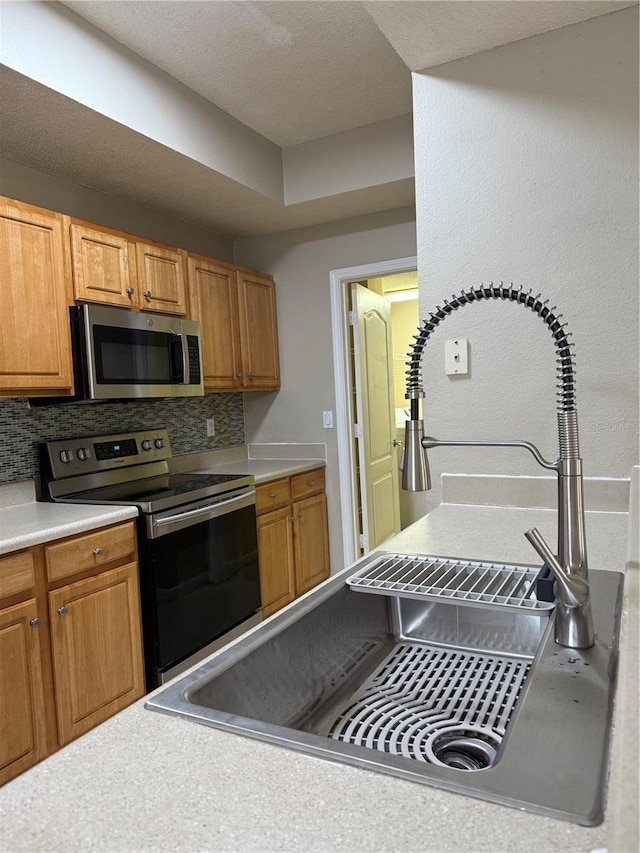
(339, 281)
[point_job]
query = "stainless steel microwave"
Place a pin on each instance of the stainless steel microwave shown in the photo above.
(121, 354)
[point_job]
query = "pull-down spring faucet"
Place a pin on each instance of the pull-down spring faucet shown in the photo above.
(573, 619)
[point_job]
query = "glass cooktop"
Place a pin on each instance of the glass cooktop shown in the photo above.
(162, 492)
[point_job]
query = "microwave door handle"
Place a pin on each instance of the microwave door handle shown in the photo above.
(177, 347)
(185, 358)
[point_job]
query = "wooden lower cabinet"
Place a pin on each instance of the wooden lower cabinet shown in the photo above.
(293, 541)
(70, 642)
(311, 542)
(95, 643)
(22, 706)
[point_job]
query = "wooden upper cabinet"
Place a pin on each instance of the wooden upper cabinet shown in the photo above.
(161, 278)
(237, 314)
(103, 266)
(258, 331)
(35, 291)
(213, 303)
(115, 268)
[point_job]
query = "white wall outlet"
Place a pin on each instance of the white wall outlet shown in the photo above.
(456, 357)
(211, 427)
(327, 420)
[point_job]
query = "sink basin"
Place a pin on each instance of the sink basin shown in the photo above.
(477, 700)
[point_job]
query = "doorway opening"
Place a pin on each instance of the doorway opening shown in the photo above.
(374, 315)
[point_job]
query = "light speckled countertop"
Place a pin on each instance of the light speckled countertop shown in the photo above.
(24, 525)
(25, 522)
(263, 470)
(146, 781)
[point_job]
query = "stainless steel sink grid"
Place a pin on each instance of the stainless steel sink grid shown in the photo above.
(421, 697)
(438, 578)
(476, 700)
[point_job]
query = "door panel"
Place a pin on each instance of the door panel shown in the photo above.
(258, 332)
(101, 271)
(375, 412)
(212, 302)
(275, 547)
(310, 542)
(161, 276)
(22, 711)
(97, 649)
(35, 342)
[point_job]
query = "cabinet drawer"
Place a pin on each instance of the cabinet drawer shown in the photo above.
(272, 495)
(16, 573)
(307, 484)
(90, 551)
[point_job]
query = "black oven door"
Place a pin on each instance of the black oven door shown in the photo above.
(198, 581)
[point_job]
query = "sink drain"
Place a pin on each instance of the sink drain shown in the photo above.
(464, 749)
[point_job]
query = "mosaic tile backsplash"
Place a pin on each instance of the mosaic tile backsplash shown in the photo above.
(22, 427)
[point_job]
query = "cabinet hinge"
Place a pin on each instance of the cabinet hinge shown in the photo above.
(364, 543)
(353, 319)
(357, 431)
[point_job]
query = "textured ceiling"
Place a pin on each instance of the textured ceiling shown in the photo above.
(293, 72)
(431, 32)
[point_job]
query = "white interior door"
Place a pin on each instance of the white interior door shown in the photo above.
(377, 456)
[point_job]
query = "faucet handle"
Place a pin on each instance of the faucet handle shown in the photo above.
(574, 590)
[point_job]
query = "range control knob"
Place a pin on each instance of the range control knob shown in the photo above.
(66, 455)
(159, 443)
(146, 444)
(83, 454)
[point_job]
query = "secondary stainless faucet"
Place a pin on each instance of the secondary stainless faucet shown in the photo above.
(573, 619)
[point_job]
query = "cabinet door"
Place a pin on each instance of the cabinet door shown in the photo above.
(22, 708)
(35, 291)
(161, 278)
(213, 303)
(102, 271)
(275, 553)
(311, 542)
(258, 332)
(96, 648)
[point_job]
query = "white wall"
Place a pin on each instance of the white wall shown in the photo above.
(301, 261)
(527, 171)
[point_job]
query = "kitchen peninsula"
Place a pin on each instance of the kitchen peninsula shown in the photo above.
(146, 781)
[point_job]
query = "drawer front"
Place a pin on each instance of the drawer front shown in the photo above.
(90, 551)
(309, 483)
(272, 495)
(16, 573)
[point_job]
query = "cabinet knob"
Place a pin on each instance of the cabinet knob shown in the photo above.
(311, 482)
(97, 552)
(63, 610)
(35, 623)
(239, 375)
(300, 514)
(130, 291)
(147, 295)
(291, 518)
(273, 496)
(249, 375)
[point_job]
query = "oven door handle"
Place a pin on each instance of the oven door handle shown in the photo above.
(157, 527)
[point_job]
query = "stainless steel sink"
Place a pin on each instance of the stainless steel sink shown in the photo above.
(474, 699)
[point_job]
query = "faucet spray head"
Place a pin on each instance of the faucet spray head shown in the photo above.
(415, 471)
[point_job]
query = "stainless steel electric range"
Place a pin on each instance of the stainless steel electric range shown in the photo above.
(198, 554)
